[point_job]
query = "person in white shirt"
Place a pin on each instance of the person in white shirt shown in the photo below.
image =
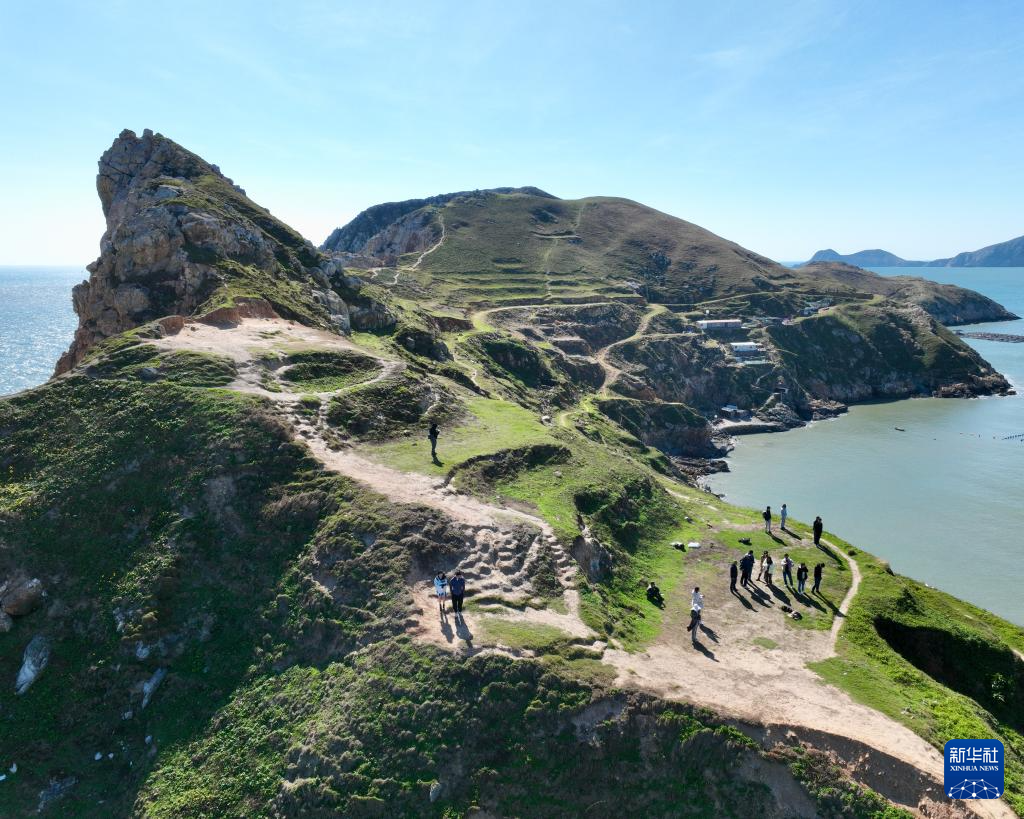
(696, 608)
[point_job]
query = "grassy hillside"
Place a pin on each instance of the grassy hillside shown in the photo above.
(233, 524)
(181, 537)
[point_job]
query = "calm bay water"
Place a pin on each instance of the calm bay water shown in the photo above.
(36, 322)
(943, 501)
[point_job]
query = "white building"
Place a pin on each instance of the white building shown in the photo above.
(720, 325)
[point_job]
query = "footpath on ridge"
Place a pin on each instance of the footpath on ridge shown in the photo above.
(734, 676)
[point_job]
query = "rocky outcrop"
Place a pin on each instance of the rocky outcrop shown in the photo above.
(34, 662)
(675, 429)
(181, 238)
(22, 597)
(880, 350)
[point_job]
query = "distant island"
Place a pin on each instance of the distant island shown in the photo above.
(1005, 254)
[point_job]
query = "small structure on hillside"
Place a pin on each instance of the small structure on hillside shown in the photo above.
(812, 307)
(720, 325)
(732, 413)
(746, 349)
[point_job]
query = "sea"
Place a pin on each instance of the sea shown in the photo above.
(943, 501)
(37, 322)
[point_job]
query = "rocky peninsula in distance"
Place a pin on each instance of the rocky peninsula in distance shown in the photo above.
(1003, 254)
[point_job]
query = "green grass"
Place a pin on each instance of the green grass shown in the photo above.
(764, 642)
(489, 425)
(873, 673)
(328, 370)
(522, 635)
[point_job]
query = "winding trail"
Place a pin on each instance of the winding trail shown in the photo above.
(611, 372)
(730, 674)
(433, 247)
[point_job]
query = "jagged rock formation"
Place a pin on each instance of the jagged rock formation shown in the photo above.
(182, 238)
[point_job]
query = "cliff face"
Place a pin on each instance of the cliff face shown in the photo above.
(880, 350)
(181, 238)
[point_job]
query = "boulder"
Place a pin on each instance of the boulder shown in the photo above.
(35, 659)
(22, 598)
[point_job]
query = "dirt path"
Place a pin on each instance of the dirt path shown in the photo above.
(844, 607)
(444, 232)
(765, 682)
(611, 372)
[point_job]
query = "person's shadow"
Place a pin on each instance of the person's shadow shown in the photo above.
(462, 631)
(759, 595)
(703, 649)
(446, 629)
(832, 606)
(746, 603)
(779, 593)
(710, 632)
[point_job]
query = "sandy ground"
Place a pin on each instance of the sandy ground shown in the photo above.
(725, 671)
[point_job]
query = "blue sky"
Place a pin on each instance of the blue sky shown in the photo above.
(785, 126)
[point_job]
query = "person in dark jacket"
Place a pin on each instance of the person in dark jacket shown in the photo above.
(746, 567)
(457, 587)
(817, 527)
(654, 595)
(433, 435)
(801, 578)
(767, 515)
(733, 574)
(818, 568)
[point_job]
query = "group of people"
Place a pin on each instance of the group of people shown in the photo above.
(744, 569)
(816, 528)
(454, 588)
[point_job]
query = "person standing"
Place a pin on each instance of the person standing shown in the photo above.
(441, 590)
(787, 568)
(768, 568)
(433, 434)
(818, 568)
(767, 515)
(801, 578)
(817, 528)
(763, 563)
(733, 572)
(746, 567)
(783, 514)
(457, 586)
(696, 610)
